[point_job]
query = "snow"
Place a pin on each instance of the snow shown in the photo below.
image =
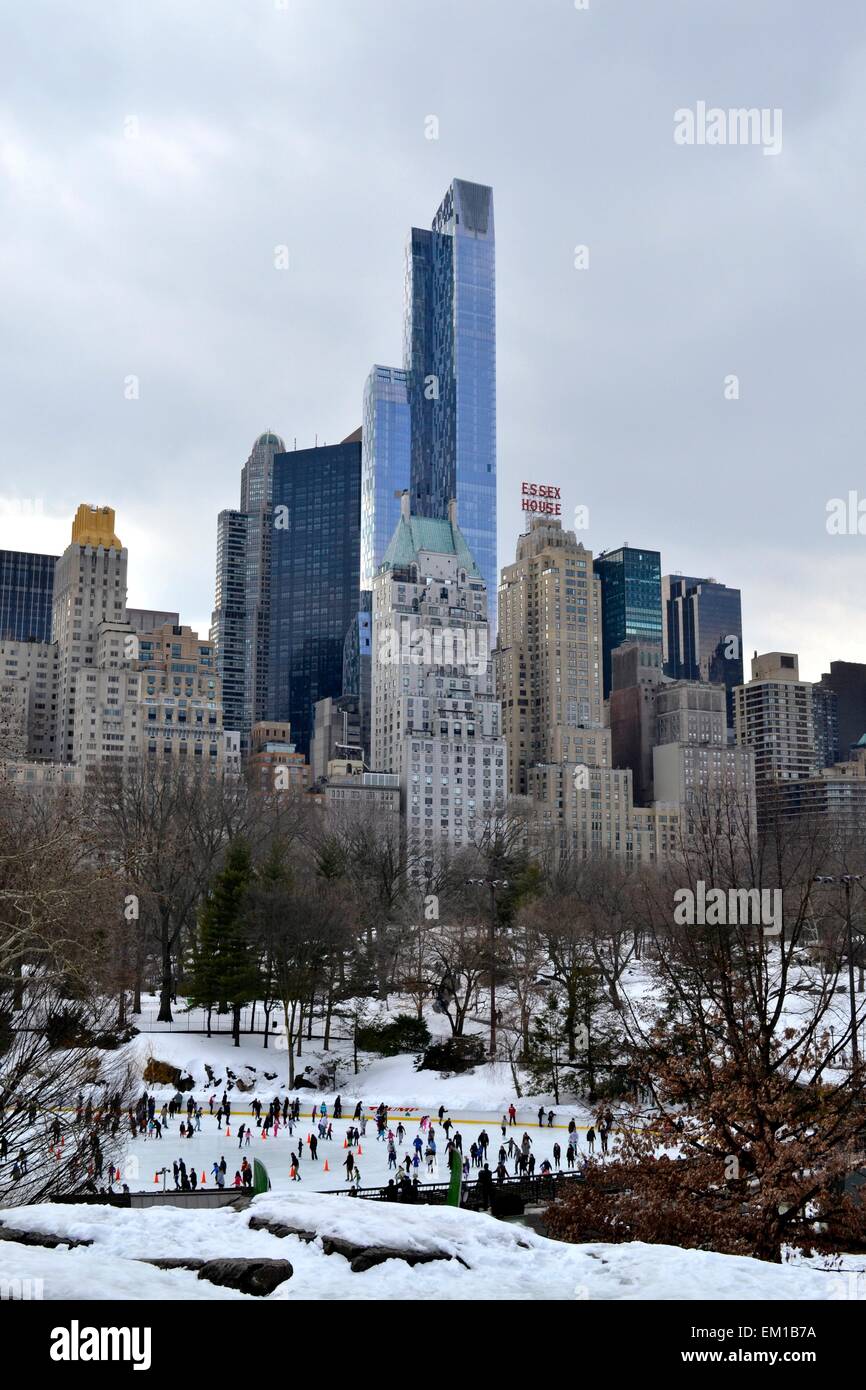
(505, 1260)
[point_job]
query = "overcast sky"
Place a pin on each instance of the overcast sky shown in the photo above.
(153, 153)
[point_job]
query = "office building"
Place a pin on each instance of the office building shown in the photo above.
(703, 633)
(449, 354)
(631, 600)
(315, 568)
(26, 596)
(385, 463)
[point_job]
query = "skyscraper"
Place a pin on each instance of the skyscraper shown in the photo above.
(89, 598)
(26, 592)
(449, 353)
(549, 653)
(385, 463)
(241, 623)
(773, 715)
(314, 578)
(228, 622)
(436, 719)
(548, 679)
(256, 491)
(703, 633)
(631, 599)
(848, 680)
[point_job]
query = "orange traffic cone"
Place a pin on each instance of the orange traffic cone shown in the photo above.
(228, 1132)
(156, 1177)
(264, 1134)
(345, 1143)
(360, 1150)
(291, 1172)
(326, 1169)
(117, 1176)
(203, 1178)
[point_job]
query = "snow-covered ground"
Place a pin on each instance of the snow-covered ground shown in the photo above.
(473, 1101)
(499, 1260)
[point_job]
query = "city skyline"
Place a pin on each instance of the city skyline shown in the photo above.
(610, 378)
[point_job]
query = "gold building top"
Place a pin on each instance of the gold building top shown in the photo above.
(95, 526)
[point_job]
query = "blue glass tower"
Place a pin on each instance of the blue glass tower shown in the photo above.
(26, 594)
(631, 599)
(703, 633)
(314, 578)
(449, 352)
(385, 463)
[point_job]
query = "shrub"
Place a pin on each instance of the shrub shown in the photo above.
(455, 1054)
(405, 1033)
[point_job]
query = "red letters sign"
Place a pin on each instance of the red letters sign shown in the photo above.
(541, 498)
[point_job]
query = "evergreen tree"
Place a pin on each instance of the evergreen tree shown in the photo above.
(225, 970)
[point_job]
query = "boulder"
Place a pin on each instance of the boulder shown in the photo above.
(279, 1228)
(38, 1238)
(258, 1277)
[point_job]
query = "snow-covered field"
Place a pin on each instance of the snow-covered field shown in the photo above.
(499, 1260)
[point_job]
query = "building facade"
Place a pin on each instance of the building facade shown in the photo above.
(436, 722)
(449, 355)
(548, 654)
(773, 716)
(385, 462)
(26, 596)
(631, 600)
(315, 573)
(703, 633)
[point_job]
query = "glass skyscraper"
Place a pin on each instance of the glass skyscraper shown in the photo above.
(703, 633)
(228, 621)
(314, 578)
(385, 463)
(241, 625)
(449, 353)
(26, 594)
(631, 600)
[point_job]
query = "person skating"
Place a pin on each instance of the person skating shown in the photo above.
(338, 1109)
(296, 1168)
(557, 1155)
(314, 1146)
(349, 1165)
(590, 1139)
(550, 1119)
(512, 1115)
(242, 1129)
(485, 1187)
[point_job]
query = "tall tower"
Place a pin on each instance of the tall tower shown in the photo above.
(449, 352)
(436, 719)
(241, 620)
(548, 658)
(631, 600)
(385, 463)
(703, 633)
(89, 589)
(314, 568)
(229, 619)
(774, 716)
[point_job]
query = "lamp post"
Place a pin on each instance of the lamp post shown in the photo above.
(492, 884)
(846, 880)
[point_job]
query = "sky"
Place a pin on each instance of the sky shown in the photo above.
(154, 156)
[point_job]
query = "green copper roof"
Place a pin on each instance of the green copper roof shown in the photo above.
(435, 534)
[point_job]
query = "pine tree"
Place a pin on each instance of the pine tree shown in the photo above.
(225, 970)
